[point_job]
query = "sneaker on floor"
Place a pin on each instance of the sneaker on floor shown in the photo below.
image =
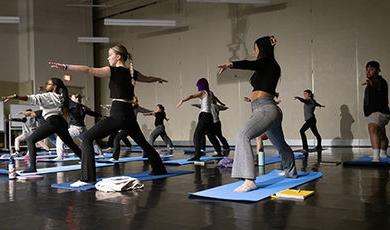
(79, 183)
(58, 158)
(375, 157)
(383, 155)
(113, 160)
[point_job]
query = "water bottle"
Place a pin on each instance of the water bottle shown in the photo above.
(260, 158)
(11, 168)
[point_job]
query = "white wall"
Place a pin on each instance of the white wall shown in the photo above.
(48, 31)
(322, 45)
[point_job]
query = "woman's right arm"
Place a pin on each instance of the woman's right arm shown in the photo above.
(98, 72)
(244, 64)
(197, 95)
(301, 100)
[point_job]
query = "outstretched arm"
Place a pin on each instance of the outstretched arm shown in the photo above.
(148, 113)
(219, 101)
(244, 64)
(144, 110)
(90, 112)
(222, 107)
(148, 79)
(15, 97)
(319, 105)
(301, 100)
(196, 105)
(98, 72)
(197, 95)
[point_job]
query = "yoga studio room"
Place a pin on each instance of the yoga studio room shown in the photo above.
(194, 114)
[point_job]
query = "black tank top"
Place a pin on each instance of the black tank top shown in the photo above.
(120, 84)
(160, 116)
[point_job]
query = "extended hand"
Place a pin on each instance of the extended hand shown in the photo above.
(223, 67)
(179, 104)
(162, 81)
(56, 65)
(247, 99)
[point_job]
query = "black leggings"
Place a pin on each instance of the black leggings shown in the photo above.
(205, 126)
(112, 137)
(121, 118)
(218, 133)
(54, 125)
(312, 124)
(117, 143)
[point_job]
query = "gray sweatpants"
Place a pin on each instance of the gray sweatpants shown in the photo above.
(75, 132)
(266, 118)
(160, 131)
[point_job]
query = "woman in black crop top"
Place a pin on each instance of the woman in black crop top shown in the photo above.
(159, 129)
(266, 115)
(121, 113)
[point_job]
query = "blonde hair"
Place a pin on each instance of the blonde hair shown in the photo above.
(126, 56)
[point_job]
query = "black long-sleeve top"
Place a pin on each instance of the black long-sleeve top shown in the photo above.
(266, 76)
(376, 96)
(77, 113)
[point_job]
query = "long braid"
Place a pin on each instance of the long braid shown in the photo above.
(131, 67)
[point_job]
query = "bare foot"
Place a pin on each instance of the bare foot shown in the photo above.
(247, 186)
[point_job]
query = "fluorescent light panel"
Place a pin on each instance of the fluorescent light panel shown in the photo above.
(93, 39)
(139, 22)
(233, 1)
(9, 20)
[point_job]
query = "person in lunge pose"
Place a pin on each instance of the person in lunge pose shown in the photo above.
(266, 115)
(205, 119)
(77, 113)
(121, 86)
(159, 129)
(54, 104)
(310, 119)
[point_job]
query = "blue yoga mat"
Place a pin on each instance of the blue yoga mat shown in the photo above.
(277, 159)
(367, 161)
(66, 159)
(143, 176)
(268, 185)
(192, 151)
(3, 172)
(130, 159)
(61, 169)
(21, 158)
(186, 162)
(311, 150)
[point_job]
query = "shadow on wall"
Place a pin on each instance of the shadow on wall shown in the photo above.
(346, 135)
(239, 25)
(192, 131)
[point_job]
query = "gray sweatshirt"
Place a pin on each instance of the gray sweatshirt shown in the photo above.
(50, 103)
